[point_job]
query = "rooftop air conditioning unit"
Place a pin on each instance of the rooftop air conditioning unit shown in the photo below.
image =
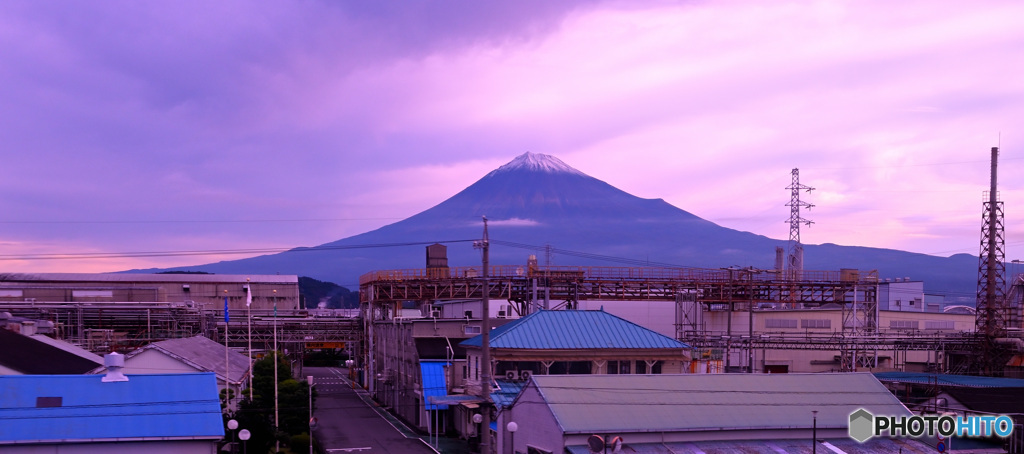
(518, 375)
(435, 314)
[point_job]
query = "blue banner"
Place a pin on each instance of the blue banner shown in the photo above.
(226, 320)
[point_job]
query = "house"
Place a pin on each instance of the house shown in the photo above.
(35, 354)
(190, 355)
(692, 413)
(962, 395)
(114, 413)
(574, 342)
(564, 342)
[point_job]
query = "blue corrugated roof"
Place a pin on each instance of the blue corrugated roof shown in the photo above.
(574, 330)
(506, 392)
(434, 383)
(147, 406)
(950, 380)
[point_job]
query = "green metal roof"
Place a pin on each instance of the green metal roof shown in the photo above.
(574, 329)
(694, 402)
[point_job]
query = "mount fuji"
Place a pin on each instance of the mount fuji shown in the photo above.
(537, 200)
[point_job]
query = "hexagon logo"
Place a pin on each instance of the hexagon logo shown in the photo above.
(862, 425)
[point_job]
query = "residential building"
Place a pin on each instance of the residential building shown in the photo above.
(693, 413)
(574, 342)
(24, 353)
(159, 413)
(188, 356)
(564, 342)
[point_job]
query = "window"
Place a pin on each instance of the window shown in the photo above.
(780, 323)
(815, 323)
(10, 293)
(92, 293)
(903, 324)
(470, 329)
(656, 368)
(478, 368)
(937, 324)
(618, 367)
(641, 367)
(49, 402)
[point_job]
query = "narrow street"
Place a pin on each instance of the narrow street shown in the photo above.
(347, 423)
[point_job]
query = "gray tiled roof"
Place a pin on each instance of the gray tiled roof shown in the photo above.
(202, 353)
(625, 403)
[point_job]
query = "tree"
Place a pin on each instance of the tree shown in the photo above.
(293, 404)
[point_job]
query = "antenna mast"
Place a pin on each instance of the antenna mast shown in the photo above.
(795, 262)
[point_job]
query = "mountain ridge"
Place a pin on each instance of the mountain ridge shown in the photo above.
(539, 200)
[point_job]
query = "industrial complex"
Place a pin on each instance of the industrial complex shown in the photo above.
(535, 358)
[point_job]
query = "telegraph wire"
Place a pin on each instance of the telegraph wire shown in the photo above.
(95, 255)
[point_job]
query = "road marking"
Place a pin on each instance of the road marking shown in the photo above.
(349, 449)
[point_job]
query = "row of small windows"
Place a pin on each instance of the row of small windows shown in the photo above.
(790, 323)
(928, 324)
(565, 367)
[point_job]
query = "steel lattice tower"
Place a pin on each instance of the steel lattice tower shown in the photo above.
(991, 306)
(795, 262)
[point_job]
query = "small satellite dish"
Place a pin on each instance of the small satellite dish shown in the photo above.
(596, 443)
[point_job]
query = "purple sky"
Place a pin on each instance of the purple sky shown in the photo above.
(195, 125)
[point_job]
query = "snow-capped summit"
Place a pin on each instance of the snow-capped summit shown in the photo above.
(537, 162)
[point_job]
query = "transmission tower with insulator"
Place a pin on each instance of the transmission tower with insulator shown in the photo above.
(795, 261)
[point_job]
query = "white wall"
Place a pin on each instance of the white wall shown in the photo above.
(658, 316)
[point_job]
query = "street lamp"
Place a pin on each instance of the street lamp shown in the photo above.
(477, 419)
(814, 433)
(309, 380)
(232, 425)
(244, 436)
(512, 428)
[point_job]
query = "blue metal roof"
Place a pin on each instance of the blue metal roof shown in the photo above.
(950, 380)
(84, 408)
(574, 329)
(506, 392)
(434, 383)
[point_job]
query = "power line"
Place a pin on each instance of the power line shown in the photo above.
(202, 221)
(95, 255)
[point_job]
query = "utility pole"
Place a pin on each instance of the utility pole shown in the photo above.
(277, 422)
(485, 342)
(248, 316)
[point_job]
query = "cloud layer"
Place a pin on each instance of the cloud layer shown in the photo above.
(162, 126)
